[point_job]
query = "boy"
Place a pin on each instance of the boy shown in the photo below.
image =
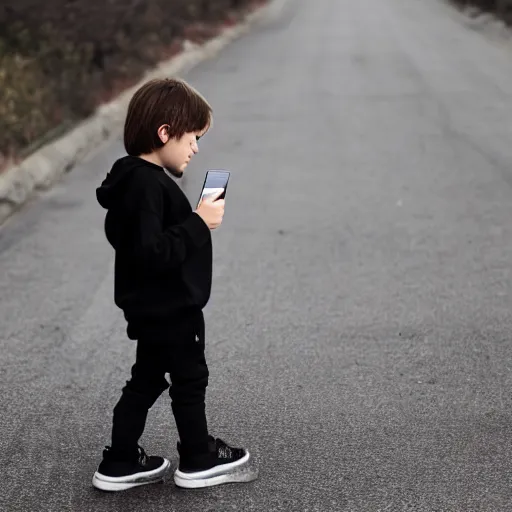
(163, 272)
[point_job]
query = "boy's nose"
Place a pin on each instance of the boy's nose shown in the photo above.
(195, 147)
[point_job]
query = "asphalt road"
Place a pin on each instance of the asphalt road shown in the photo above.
(359, 331)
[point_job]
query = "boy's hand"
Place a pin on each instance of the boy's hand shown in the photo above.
(211, 210)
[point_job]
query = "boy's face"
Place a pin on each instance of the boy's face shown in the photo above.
(177, 153)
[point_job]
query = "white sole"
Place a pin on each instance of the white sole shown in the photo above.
(122, 483)
(233, 472)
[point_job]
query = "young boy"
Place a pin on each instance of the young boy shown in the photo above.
(163, 272)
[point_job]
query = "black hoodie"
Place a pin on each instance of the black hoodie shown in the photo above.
(163, 250)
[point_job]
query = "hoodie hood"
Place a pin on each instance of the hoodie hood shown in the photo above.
(110, 192)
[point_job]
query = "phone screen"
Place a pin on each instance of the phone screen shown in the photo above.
(214, 182)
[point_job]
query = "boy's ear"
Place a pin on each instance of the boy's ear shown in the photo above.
(163, 133)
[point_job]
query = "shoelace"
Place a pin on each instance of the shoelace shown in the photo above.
(224, 451)
(143, 458)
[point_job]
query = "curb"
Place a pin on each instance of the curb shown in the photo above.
(45, 166)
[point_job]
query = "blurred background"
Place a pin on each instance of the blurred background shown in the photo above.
(61, 59)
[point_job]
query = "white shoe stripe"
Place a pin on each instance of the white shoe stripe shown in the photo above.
(143, 475)
(215, 471)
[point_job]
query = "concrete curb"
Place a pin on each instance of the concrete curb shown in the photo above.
(44, 167)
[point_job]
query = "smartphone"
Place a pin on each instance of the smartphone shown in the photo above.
(214, 182)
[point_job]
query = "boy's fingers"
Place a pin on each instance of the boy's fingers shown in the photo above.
(215, 196)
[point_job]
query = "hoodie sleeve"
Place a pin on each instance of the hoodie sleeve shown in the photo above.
(158, 249)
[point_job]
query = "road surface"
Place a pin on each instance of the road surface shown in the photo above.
(359, 331)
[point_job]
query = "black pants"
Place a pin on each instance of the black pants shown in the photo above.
(176, 349)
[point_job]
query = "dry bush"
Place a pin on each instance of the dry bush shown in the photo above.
(60, 59)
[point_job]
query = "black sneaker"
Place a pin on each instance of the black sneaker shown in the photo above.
(118, 474)
(223, 464)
